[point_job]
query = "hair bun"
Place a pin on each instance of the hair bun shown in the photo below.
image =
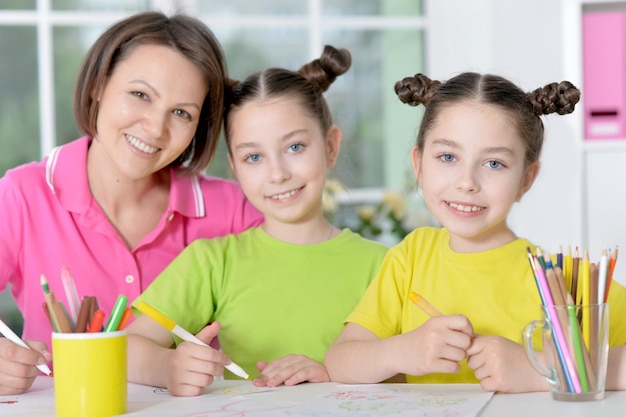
(323, 71)
(416, 90)
(558, 98)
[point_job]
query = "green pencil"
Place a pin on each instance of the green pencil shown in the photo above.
(578, 349)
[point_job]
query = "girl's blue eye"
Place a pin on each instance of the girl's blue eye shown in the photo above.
(255, 157)
(296, 147)
(447, 157)
(494, 164)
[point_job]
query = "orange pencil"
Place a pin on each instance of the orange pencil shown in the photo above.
(421, 302)
(612, 260)
(96, 322)
(128, 313)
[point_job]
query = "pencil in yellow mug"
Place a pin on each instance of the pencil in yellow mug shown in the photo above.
(170, 325)
(421, 302)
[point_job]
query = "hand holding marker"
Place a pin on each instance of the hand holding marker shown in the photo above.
(184, 334)
(9, 334)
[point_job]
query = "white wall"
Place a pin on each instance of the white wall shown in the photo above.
(531, 42)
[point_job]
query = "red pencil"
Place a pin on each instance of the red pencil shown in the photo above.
(96, 322)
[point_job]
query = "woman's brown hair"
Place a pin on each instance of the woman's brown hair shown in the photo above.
(185, 34)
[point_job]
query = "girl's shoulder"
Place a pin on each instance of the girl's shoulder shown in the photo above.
(216, 184)
(426, 235)
(354, 241)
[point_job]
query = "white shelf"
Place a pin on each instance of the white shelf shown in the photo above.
(604, 145)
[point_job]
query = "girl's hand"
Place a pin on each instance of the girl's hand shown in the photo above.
(192, 367)
(290, 370)
(436, 346)
(17, 365)
(501, 365)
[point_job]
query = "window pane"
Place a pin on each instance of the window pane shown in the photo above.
(256, 7)
(99, 5)
(372, 7)
(19, 101)
(17, 4)
(252, 50)
(378, 130)
(70, 46)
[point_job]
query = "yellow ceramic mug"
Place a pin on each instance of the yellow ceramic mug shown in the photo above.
(89, 373)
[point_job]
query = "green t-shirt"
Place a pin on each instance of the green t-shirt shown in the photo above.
(271, 298)
(495, 289)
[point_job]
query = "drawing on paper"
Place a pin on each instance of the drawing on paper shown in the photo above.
(233, 390)
(9, 400)
(241, 408)
(161, 391)
(377, 401)
(241, 389)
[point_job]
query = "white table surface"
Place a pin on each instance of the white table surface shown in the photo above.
(142, 401)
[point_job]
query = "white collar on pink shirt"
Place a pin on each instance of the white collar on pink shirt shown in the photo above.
(64, 171)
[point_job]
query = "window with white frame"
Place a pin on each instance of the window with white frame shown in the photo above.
(42, 43)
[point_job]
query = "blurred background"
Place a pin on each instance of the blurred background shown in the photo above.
(42, 44)
(372, 189)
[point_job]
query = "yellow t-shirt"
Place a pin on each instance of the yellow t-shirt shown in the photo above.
(495, 289)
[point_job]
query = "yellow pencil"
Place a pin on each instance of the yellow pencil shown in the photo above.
(421, 302)
(567, 267)
(170, 325)
(585, 288)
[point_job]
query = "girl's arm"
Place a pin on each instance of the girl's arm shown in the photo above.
(185, 371)
(359, 356)
(616, 370)
(290, 370)
(148, 344)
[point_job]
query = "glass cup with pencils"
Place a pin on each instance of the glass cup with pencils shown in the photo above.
(575, 324)
(575, 350)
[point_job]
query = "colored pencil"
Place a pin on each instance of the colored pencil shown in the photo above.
(96, 322)
(73, 301)
(574, 286)
(83, 315)
(171, 325)
(584, 288)
(421, 302)
(567, 268)
(116, 314)
(50, 302)
(560, 342)
(612, 261)
(126, 316)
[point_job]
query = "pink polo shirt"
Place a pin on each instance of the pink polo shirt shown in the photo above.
(49, 219)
